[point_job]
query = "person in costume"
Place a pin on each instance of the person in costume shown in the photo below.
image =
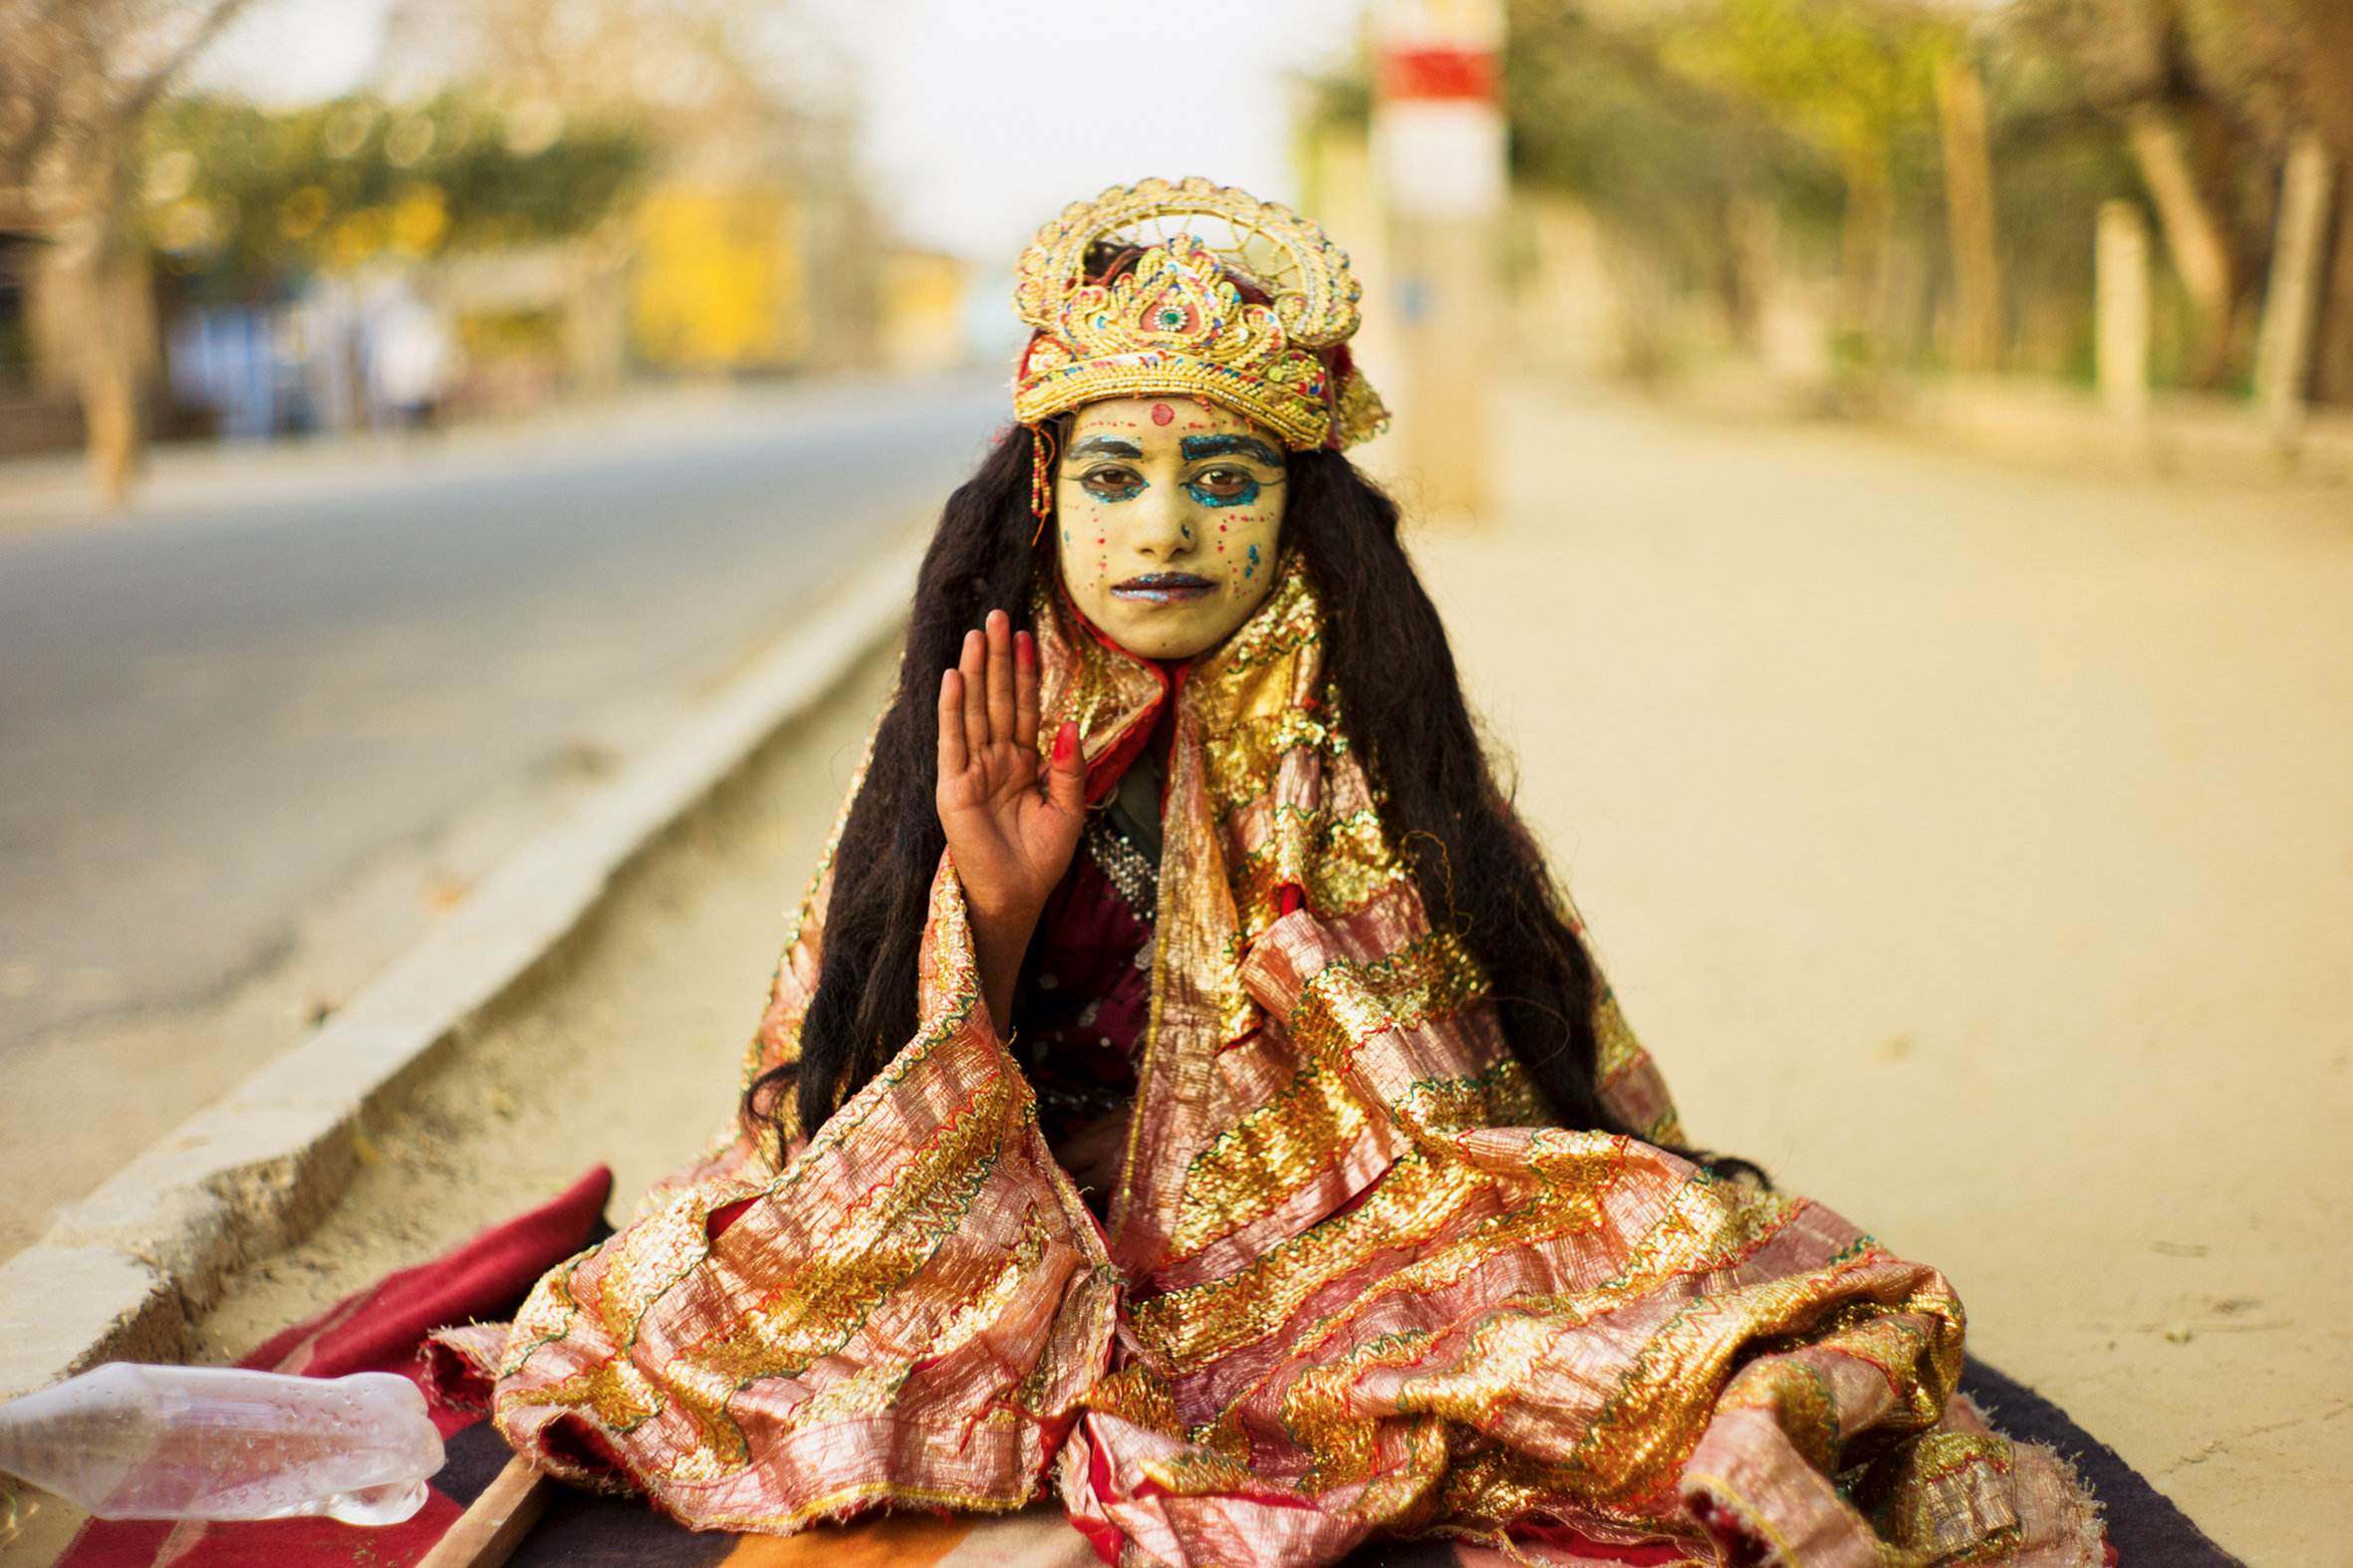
(1186, 1088)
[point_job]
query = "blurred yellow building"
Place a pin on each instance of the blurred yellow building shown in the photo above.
(723, 281)
(720, 280)
(921, 309)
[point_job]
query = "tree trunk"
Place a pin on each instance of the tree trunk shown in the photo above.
(109, 421)
(2283, 354)
(2193, 237)
(99, 274)
(2121, 309)
(1870, 208)
(2326, 58)
(1752, 227)
(2332, 353)
(1968, 207)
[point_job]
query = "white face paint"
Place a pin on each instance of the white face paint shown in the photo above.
(1169, 511)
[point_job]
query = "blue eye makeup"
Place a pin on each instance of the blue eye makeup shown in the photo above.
(1223, 487)
(1242, 497)
(1114, 483)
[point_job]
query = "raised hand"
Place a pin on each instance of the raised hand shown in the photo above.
(1010, 840)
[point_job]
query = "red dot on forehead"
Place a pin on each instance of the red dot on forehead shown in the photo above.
(1162, 414)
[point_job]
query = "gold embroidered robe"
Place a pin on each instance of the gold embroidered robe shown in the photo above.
(1350, 1284)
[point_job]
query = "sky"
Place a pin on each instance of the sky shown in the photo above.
(980, 118)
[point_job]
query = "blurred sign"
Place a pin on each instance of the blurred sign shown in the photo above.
(1439, 125)
(1438, 145)
(1437, 74)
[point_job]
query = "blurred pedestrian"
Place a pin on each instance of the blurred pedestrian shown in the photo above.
(409, 358)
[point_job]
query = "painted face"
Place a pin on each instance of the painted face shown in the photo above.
(1169, 511)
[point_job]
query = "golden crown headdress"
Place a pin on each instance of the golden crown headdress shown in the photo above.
(1216, 295)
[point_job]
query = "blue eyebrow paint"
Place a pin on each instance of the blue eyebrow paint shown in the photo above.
(1105, 446)
(1197, 448)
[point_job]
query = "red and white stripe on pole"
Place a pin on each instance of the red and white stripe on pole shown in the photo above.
(1438, 119)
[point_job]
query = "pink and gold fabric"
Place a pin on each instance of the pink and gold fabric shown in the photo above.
(1351, 1285)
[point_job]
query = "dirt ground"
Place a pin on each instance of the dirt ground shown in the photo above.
(1967, 841)
(629, 1057)
(1970, 844)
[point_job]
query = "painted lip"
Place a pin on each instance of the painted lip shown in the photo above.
(1162, 587)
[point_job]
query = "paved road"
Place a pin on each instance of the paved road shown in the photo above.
(211, 722)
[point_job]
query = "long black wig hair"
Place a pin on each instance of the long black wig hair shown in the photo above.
(1479, 871)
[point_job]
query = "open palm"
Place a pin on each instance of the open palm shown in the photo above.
(1011, 842)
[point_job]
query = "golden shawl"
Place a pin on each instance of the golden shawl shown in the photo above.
(1348, 1286)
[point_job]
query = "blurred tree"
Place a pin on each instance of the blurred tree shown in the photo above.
(2287, 64)
(726, 78)
(1887, 119)
(2323, 31)
(2057, 159)
(78, 79)
(2205, 91)
(1595, 111)
(1852, 77)
(1968, 207)
(239, 192)
(730, 94)
(1678, 168)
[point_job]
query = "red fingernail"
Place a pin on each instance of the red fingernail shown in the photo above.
(1066, 744)
(1022, 648)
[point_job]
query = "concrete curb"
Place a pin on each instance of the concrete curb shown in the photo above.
(122, 1272)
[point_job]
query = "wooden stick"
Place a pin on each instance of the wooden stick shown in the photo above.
(487, 1534)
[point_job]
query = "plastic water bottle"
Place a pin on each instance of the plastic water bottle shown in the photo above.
(127, 1441)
